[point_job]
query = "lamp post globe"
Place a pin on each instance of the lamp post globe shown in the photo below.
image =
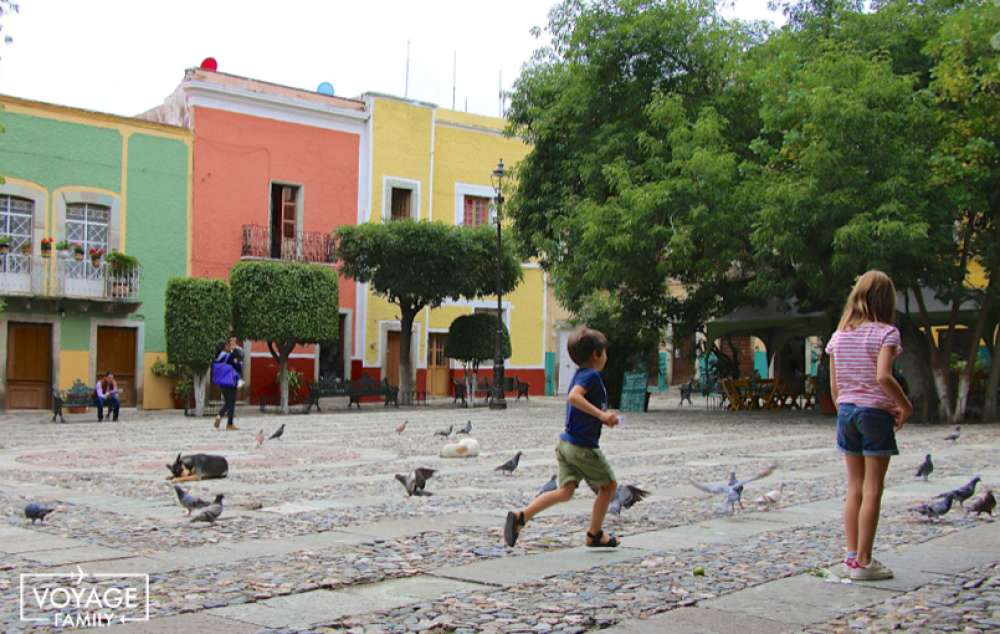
(498, 401)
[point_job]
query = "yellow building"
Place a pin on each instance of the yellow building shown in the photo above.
(430, 163)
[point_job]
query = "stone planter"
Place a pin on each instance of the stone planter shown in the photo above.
(77, 409)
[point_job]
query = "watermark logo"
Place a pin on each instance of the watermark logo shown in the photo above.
(84, 599)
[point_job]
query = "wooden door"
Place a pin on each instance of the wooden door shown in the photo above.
(29, 366)
(116, 353)
(438, 374)
(392, 358)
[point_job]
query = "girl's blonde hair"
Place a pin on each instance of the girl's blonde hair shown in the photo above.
(873, 298)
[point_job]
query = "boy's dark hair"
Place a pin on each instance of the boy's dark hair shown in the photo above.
(584, 342)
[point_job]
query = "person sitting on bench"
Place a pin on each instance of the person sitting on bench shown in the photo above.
(107, 394)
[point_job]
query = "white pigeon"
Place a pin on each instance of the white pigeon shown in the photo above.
(769, 499)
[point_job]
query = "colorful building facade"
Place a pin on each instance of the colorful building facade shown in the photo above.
(430, 163)
(275, 171)
(105, 183)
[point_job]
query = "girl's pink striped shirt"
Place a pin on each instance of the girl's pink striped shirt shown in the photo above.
(855, 359)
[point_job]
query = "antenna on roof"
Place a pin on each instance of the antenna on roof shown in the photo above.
(406, 87)
(454, 76)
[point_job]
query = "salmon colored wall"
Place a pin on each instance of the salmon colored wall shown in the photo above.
(237, 157)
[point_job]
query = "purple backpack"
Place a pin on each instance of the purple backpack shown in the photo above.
(223, 374)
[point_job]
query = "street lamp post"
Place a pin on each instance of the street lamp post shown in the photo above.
(498, 401)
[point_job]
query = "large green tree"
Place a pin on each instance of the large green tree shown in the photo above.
(472, 340)
(416, 265)
(198, 316)
(284, 304)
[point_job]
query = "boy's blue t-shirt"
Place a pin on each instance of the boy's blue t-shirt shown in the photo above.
(582, 429)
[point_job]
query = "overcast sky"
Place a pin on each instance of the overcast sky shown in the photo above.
(125, 56)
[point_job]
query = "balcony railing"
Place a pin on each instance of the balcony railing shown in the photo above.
(27, 275)
(306, 246)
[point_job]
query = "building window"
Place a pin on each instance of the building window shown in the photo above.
(476, 211)
(400, 203)
(16, 216)
(88, 224)
(284, 219)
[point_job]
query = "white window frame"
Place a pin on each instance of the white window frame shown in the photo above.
(395, 182)
(465, 189)
(74, 196)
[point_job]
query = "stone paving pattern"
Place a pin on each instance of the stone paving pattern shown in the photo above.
(317, 535)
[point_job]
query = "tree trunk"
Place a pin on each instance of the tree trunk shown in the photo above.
(405, 366)
(965, 378)
(280, 356)
(471, 378)
(993, 384)
(939, 365)
(198, 383)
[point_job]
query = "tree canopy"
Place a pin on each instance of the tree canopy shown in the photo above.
(472, 338)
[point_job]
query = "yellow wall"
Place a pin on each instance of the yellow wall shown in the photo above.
(73, 364)
(156, 390)
(466, 149)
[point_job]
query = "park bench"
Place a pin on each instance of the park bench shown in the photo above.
(366, 386)
(79, 395)
(327, 386)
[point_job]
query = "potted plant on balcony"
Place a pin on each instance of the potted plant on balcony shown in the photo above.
(62, 248)
(27, 247)
(4, 244)
(78, 251)
(121, 266)
(95, 256)
(47, 247)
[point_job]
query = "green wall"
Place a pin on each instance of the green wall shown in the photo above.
(75, 332)
(156, 232)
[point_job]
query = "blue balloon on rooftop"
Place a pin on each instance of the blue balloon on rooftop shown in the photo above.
(326, 88)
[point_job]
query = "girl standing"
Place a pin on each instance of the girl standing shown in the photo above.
(226, 370)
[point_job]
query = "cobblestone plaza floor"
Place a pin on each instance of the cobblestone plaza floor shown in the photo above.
(317, 535)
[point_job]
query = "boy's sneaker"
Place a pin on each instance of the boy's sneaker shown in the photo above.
(512, 528)
(847, 565)
(874, 571)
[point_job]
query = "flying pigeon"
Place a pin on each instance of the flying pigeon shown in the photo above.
(551, 485)
(36, 511)
(189, 501)
(445, 432)
(414, 483)
(400, 428)
(963, 492)
(954, 435)
(278, 433)
(211, 512)
(769, 499)
(260, 438)
(936, 508)
(626, 497)
(983, 504)
(733, 488)
(467, 429)
(511, 464)
(926, 468)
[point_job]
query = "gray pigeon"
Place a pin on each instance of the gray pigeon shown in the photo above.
(936, 508)
(963, 492)
(211, 512)
(955, 434)
(188, 501)
(925, 468)
(445, 432)
(551, 485)
(36, 511)
(626, 497)
(414, 483)
(510, 465)
(467, 429)
(733, 488)
(983, 504)
(278, 433)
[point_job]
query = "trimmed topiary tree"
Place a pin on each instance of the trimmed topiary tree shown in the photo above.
(198, 316)
(471, 340)
(284, 304)
(420, 264)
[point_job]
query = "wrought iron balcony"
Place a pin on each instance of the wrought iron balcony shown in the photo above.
(58, 277)
(306, 246)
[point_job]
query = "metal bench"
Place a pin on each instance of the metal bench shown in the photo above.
(326, 386)
(78, 395)
(366, 386)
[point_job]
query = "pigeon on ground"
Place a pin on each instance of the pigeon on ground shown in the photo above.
(983, 504)
(467, 429)
(278, 433)
(260, 438)
(733, 488)
(400, 428)
(936, 508)
(551, 485)
(926, 468)
(414, 483)
(963, 492)
(445, 432)
(188, 501)
(626, 497)
(510, 465)
(955, 434)
(769, 499)
(211, 512)
(36, 511)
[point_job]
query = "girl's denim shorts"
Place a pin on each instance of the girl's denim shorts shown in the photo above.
(866, 431)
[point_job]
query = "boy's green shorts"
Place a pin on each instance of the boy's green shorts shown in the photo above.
(582, 463)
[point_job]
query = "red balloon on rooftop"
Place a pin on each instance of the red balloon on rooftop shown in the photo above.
(209, 63)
